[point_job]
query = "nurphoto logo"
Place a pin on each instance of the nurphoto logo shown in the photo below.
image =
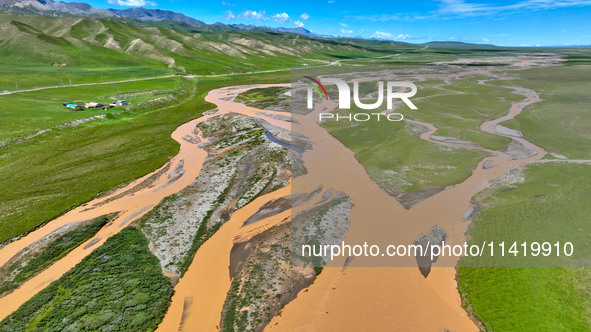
(392, 92)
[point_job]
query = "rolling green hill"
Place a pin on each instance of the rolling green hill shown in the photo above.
(91, 47)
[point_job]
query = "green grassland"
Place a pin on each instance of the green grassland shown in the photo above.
(528, 299)
(34, 74)
(576, 56)
(102, 292)
(25, 113)
(402, 162)
(552, 204)
(460, 115)
(395, 157)
(44, 176)
(445, 52)
(562, 122)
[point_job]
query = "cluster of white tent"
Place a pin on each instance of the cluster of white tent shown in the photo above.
(96, 105)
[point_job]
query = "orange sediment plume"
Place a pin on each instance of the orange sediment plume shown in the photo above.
(341, 299)
(377, 299)
(384, 298)
(354, 298)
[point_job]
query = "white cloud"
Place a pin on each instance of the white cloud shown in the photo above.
(382, 35)
(132, 3)
(228, 16)
(344, 25)
(304, 16)
(460, 6)
(281, 17)
(346, 32)
(387, 35)
(464, 8)
(224, 3)
(299, 24)
(254, 15)
(378, 18)
(471, 8)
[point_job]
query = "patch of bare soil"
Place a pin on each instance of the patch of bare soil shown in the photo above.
(517, 151)
(175, 174)
(283, 204)
(270, 208)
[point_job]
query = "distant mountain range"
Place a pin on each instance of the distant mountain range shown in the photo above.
(299, 31)
(157, 17)
(60, 8)
(154, 15)
(52, 8)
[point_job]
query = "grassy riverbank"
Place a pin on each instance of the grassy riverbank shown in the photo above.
(44, 176)
(42, 254)
(562, 122)
(397, 159)
(544, 202)
(550, 203)
(102, 292)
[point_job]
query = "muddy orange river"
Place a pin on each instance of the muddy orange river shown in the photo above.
(341, 299)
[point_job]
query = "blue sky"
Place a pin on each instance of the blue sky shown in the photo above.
(511, 23)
